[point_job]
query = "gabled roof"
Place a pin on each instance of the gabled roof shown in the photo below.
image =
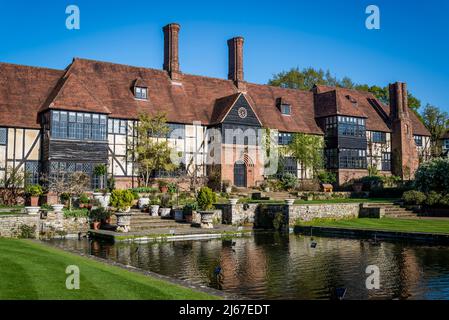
(222, 107)
(376, 112)
(72, 95)
(23, 91)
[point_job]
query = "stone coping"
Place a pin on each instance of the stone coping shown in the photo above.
(164, 234)
(434, 238)
(183, 283)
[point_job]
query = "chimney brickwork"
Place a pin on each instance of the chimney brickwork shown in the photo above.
(171, 51)
(405, 159)
(236, 74)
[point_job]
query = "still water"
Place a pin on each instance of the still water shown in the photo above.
(282, 266)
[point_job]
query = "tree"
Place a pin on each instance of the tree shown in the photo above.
(70, 183)
(437, 122)
(151, 150)
(11, 186)
(307, 150)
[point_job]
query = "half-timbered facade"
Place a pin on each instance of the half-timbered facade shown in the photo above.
(85, 115)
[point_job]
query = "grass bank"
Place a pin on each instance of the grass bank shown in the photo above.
(34, 272)
(385, 224)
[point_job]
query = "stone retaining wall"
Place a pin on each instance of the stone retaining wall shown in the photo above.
(247, 213)
(12, 226)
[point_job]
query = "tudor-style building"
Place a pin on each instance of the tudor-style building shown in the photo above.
(74, 119)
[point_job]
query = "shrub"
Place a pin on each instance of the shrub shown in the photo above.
(34, 190)
(145, 190)
(122, 199)
(433, 199)
(206, 198)
(414, 197)
(172, 188)
(165, 201)
(433, 175)
(79, 213)
(135, 194)
(444, 201)
(371, 182)
(289, 181)
(84, 198)
(27, 232)
(189, 208)
(327, 177)
(99, 214)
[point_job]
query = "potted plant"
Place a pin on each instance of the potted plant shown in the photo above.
(188, 211)
(165, 207)
(100, 172)
(206, 199)
(83, 201)
(154, 206)
(122, 200)
(95, 217)
(34, 192)
(163, 186)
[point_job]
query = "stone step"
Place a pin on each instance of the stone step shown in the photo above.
(150, 227)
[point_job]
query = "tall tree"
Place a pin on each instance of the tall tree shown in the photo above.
(437, 122)
(151, 151)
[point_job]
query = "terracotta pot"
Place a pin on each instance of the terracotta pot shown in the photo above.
(82, 205)
(164, 189)
(96, 225)
(34, 201)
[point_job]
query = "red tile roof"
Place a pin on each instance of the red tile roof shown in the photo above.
(368, 106)
(23, 91)
(108, 88)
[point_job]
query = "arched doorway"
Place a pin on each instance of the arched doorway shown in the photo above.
(240, 178)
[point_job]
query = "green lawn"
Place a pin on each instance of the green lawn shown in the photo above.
(33, 271)
(385, 224)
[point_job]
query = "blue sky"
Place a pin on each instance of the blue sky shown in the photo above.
(411, 46)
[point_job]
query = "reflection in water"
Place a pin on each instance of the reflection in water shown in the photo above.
(278, 266)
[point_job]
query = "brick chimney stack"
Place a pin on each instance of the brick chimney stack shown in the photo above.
(405, 159)
(236, 62)
(171, 52)
(398, 101)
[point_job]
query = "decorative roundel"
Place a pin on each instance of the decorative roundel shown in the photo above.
(243, 113)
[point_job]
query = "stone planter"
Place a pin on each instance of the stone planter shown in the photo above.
(32, 211)
(143, 202)
(228, 190)
(103, 199)
(179, 215)
(206, 219)
(57, 208)
(290, 202)
(165, 212)
(123, 220)
(154, 210)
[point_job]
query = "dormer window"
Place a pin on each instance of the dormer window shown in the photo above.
(286, 109)
(352, 100)
(141, 93)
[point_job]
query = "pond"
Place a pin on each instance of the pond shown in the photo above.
(286, 266)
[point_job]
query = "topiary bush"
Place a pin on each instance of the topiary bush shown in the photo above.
(414, 197)
(122, 199)
(206, 198)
